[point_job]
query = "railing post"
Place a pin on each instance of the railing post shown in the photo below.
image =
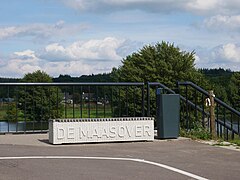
(143, 103)
(212, 114)
(148, 99)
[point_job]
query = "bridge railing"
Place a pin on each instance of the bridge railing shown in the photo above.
(27, 107)
(227, 118)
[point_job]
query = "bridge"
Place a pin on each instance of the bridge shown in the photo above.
(26, 153)
(27, 107)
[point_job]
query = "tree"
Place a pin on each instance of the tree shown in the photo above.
(162, 62)
(235, 90)
(40, 102)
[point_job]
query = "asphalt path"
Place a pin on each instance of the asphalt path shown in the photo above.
(31, 157)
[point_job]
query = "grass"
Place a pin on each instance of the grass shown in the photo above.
(68, 112)
(197, 132)
(93, 112)
(236, 142)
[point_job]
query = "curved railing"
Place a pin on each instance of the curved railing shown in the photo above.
(227, 118)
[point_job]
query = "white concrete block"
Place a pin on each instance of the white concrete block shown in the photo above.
(101, 130)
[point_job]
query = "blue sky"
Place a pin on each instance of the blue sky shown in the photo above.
(79, 37)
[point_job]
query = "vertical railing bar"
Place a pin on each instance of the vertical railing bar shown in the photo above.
(181, 107)
(8, 101)
(224, 122)
(127, 101)
(148, 99)
(143, 100)
(104, 104)
(65, 103)
(73, 100)
(25, 106)
(195, 110)
(190, 120)
(57, 104)
(41, 110)
(221, 129)
(187, 118)
(112, 109)
(89, 107)
(232, 134)
(134, 101)
(156, 100)
(33, 110)
(96, 101)
(119, 102)
(49, 102)
(17, 109)
(203, 114)
(217, 119)
(81, 101)
(238, 127)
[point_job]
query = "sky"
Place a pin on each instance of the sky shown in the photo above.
(80, 37)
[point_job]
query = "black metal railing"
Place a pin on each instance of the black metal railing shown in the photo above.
(184, 120)
(227, 118)
(27, 107)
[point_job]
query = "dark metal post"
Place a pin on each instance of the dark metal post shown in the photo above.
(81, 102)
(148, 99)
(119, 102)
(127, 101)
(134, 101)
(224, 122)
(57, 104)
(143, 102)
(218, 120)
(158, 106)
(212, 114)
(187, 117)
(232, 126)
(25, 106)
(17, 110)
(203, 113)
(89, 107)
(8, 101)
(195, 107)
(96, 101)
(73, 100)
(65, 104)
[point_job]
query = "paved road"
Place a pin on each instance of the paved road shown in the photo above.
(175, 159)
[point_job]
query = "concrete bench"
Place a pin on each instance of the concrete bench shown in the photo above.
(86, 130)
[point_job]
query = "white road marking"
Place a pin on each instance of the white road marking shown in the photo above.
(111, 158)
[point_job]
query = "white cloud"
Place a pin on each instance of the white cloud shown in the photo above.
(230, 52)
(27, 54)
(202, 5)
(159, 6)
(104, 49)
(74, 68)
(22, 63)
(81, 57)
(225, 56)
(40, 31)
(221, 22)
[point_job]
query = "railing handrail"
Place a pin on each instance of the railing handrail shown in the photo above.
(194, 86)
(207, 94)
(74, 84)
(181, 97)
(162, 86)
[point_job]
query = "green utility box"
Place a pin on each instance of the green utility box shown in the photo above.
(168, 115)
